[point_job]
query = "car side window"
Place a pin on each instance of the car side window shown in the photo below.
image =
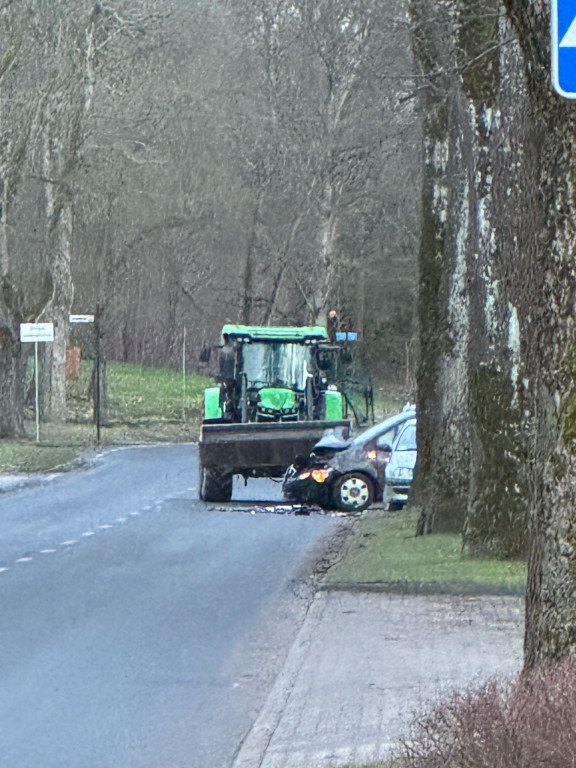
(407, 439)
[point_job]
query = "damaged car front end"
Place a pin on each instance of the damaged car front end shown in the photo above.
(348, 475)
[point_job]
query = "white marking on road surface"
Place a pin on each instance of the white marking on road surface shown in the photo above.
(68, 543)
(48, 551)
(3, 569)
(24, 559)
(88, 533)
(120, 520)
(134, 514)
(105, 526)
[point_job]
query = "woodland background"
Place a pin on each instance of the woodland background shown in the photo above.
(184, 164)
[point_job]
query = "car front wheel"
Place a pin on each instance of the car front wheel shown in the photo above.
(353, 492)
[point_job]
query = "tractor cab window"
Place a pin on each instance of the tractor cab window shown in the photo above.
(276, 364)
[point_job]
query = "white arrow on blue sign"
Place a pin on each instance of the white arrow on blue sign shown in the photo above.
(563, 28)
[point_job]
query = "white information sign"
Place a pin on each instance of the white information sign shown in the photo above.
(81, 318)
(37, 332)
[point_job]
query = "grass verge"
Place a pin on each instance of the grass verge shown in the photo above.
(18, 456)
(140, 405)
(383, 552)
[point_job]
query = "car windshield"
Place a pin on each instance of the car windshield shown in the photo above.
(276, 364)
(407, 440)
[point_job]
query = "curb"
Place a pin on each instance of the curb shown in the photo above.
(255, 743)
(454, 588)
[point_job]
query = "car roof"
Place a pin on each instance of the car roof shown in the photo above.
(408, 413)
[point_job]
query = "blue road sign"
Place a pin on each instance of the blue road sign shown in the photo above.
(563, 27)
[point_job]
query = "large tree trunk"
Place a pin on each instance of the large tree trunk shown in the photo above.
(496, 519)
(470, 455)
(12, 367)
(547, 314)
(59, 215)
(441, 485)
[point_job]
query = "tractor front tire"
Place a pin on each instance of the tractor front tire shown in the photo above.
(215, 486)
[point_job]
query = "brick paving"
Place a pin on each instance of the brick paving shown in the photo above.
(363, 664)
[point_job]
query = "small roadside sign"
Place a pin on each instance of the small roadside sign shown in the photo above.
(563, 31)
(81, 318)
(38, 332)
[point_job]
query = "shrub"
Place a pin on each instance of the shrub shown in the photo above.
(529, 723)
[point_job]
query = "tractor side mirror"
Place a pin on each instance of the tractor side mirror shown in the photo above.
(325, 361)
(227, 363)
(205, 354)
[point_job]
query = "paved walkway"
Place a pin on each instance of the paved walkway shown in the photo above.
(363, 664)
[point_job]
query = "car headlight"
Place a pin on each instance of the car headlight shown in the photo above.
(318, 475)
(321, 475)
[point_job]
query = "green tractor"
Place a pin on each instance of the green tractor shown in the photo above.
(273, 402)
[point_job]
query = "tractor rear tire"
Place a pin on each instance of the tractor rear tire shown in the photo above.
(215, 486)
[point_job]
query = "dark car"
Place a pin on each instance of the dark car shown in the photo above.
(346, 474)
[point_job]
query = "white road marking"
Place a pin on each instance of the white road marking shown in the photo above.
(134, 514)
(105, 526)
(120, 520)
(48, 551)
(88, 533)
(2, 570)
(68, 543)
(24, 559)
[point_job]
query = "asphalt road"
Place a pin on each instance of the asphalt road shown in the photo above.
(140, 628)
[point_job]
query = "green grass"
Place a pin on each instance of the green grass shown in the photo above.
(17, 456)
(140, 404)
(137, 392)
(383, 406)
(383, 549)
